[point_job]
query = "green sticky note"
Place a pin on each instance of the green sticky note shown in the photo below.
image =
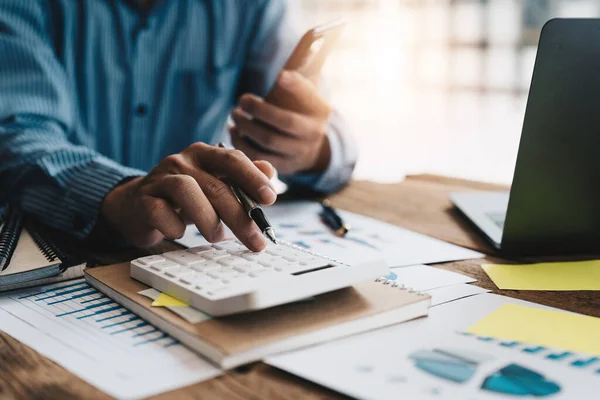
(548, 328)
(580, 275)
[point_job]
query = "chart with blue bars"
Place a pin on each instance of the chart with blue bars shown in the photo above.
(574, 360)
(83, 308)
(94, 337)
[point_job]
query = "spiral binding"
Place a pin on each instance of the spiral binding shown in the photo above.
(9, 236)
(47, 248)
(399, 286)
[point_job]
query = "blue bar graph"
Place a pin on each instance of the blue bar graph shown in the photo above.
(100, 311)
(77, 296)
(139, 325)
(558, 356)
(94, 299)
(120, 322)
(585, 363)
(104, 303)
(534, 350)
(58, 294)
(79, 301)
(145, 333)
(509, 344)
(84, 284)
(114, 316)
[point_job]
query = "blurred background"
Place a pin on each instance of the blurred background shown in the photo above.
(437, 86)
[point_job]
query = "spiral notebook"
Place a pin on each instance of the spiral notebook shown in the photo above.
(242, 338)
(28, 255)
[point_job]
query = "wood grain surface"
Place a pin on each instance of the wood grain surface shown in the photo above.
(419, 203)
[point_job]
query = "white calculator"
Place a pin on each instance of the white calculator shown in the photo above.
(227, 278)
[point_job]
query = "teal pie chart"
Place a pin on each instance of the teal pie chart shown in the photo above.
(444, 365)
(519, 381)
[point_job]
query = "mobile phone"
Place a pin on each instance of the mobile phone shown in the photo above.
(308, 57)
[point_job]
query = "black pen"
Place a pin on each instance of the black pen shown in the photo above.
(332, 219)
(254, 210)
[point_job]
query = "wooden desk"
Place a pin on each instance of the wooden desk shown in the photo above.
(420, 203)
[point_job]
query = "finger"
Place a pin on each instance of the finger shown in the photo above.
(283, 120)
(185, 193)
(266, 168)
(162, 217)
(263, 135)
(303, 93)
(235, 165)
(231, 212)
(281, 163)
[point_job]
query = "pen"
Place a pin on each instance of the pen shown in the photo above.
(254, 210)
(332, 219)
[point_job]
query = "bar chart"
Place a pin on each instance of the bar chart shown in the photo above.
(96, 338)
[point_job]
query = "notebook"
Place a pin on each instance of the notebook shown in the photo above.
(239, 339)
(31, 254)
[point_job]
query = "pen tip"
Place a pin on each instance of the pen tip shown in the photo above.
(270, 233)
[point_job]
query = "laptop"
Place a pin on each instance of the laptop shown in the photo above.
(553, 207)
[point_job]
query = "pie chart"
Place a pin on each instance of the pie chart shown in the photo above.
(519, 381)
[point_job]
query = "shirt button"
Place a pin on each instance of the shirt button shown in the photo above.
(141, 110)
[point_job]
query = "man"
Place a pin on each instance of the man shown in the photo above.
(95, 93)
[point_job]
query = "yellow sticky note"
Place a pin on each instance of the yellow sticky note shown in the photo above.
(164, 300)
(581, 275)
(562, 330)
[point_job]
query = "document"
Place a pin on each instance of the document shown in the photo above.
(581, 275)
(424, 277)
(368, 239)
(430, 358)
(561, 329)
(103, 343)
(446, 294)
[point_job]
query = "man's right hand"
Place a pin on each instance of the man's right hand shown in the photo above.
(188, 187)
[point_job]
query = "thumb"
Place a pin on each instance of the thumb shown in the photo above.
(303, 93)
(265, 167)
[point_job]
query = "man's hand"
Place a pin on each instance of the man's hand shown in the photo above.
(293, 141)
(188, 186)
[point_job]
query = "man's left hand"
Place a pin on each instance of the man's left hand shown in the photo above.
(293, 141)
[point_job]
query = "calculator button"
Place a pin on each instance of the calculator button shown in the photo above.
(230, 246)
(188, 279)
(149, 260)
(184, 257)
(206, 266)
(163, 265)
(229, 290)
(200, 249)
(290, 267)
(256, 257)
(215, 254)
(267, 273)
(272, 262)
(209, 285)
(249, 267)
(178, 272)
(199, 279)
(223, 273)
(231, 261)
(273, 250)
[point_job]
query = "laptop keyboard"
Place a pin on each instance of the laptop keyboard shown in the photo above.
(497, 218)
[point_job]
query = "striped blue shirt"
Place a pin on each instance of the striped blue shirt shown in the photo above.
(96, 91)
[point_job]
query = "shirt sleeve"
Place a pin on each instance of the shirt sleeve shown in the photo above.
(57, 181)
(272, 41)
